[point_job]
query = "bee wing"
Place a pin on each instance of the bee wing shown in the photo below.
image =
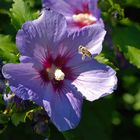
(83, 57)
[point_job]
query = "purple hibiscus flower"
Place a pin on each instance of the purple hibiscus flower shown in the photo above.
(52, 73)
(79, 13)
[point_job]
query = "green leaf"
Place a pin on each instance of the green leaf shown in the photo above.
(102, 59)
(136, 119)
(111, 10)
(20, 13)
(19, 117)
(135, 3)
(3, 119)
(134, 55)
(126, 38)
(1, 100)
(8, 50)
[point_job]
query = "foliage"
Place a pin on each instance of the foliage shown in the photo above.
(8, 49)
(20, 13)
(113, 117)
(131, 47)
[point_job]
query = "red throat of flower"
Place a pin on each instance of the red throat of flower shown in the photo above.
(55, 72)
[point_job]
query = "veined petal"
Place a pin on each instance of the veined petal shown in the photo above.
(70, 8)
(90, 37)
(37, 37)
(95, 46)
(93, 6)
(76, 4)
(24, 81)
(63, 108)
(94, 80)
(58, 5)
(85, 5)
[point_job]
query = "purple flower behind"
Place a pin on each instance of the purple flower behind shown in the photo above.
(52, 73)
(79, 13)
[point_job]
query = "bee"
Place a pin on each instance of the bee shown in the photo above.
(84, 51)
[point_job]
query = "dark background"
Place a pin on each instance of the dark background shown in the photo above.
(116, 117)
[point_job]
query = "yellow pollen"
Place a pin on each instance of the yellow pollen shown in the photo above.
(59, 75)
(84, 18)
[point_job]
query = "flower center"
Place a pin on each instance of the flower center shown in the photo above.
(59, 75)
(84, 19)
(55, 73)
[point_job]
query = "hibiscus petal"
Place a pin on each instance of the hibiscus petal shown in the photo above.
(90, 37)
(76, 4)
(94, 80)
(59, 6)
(95, 46)
(68, 8)
(37, 37)
(24, 81)
(64, 108)
(93, 6)
(85, 5)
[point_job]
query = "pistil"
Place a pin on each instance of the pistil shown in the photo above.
(59, 75)
(84, 18)
(55, 73)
